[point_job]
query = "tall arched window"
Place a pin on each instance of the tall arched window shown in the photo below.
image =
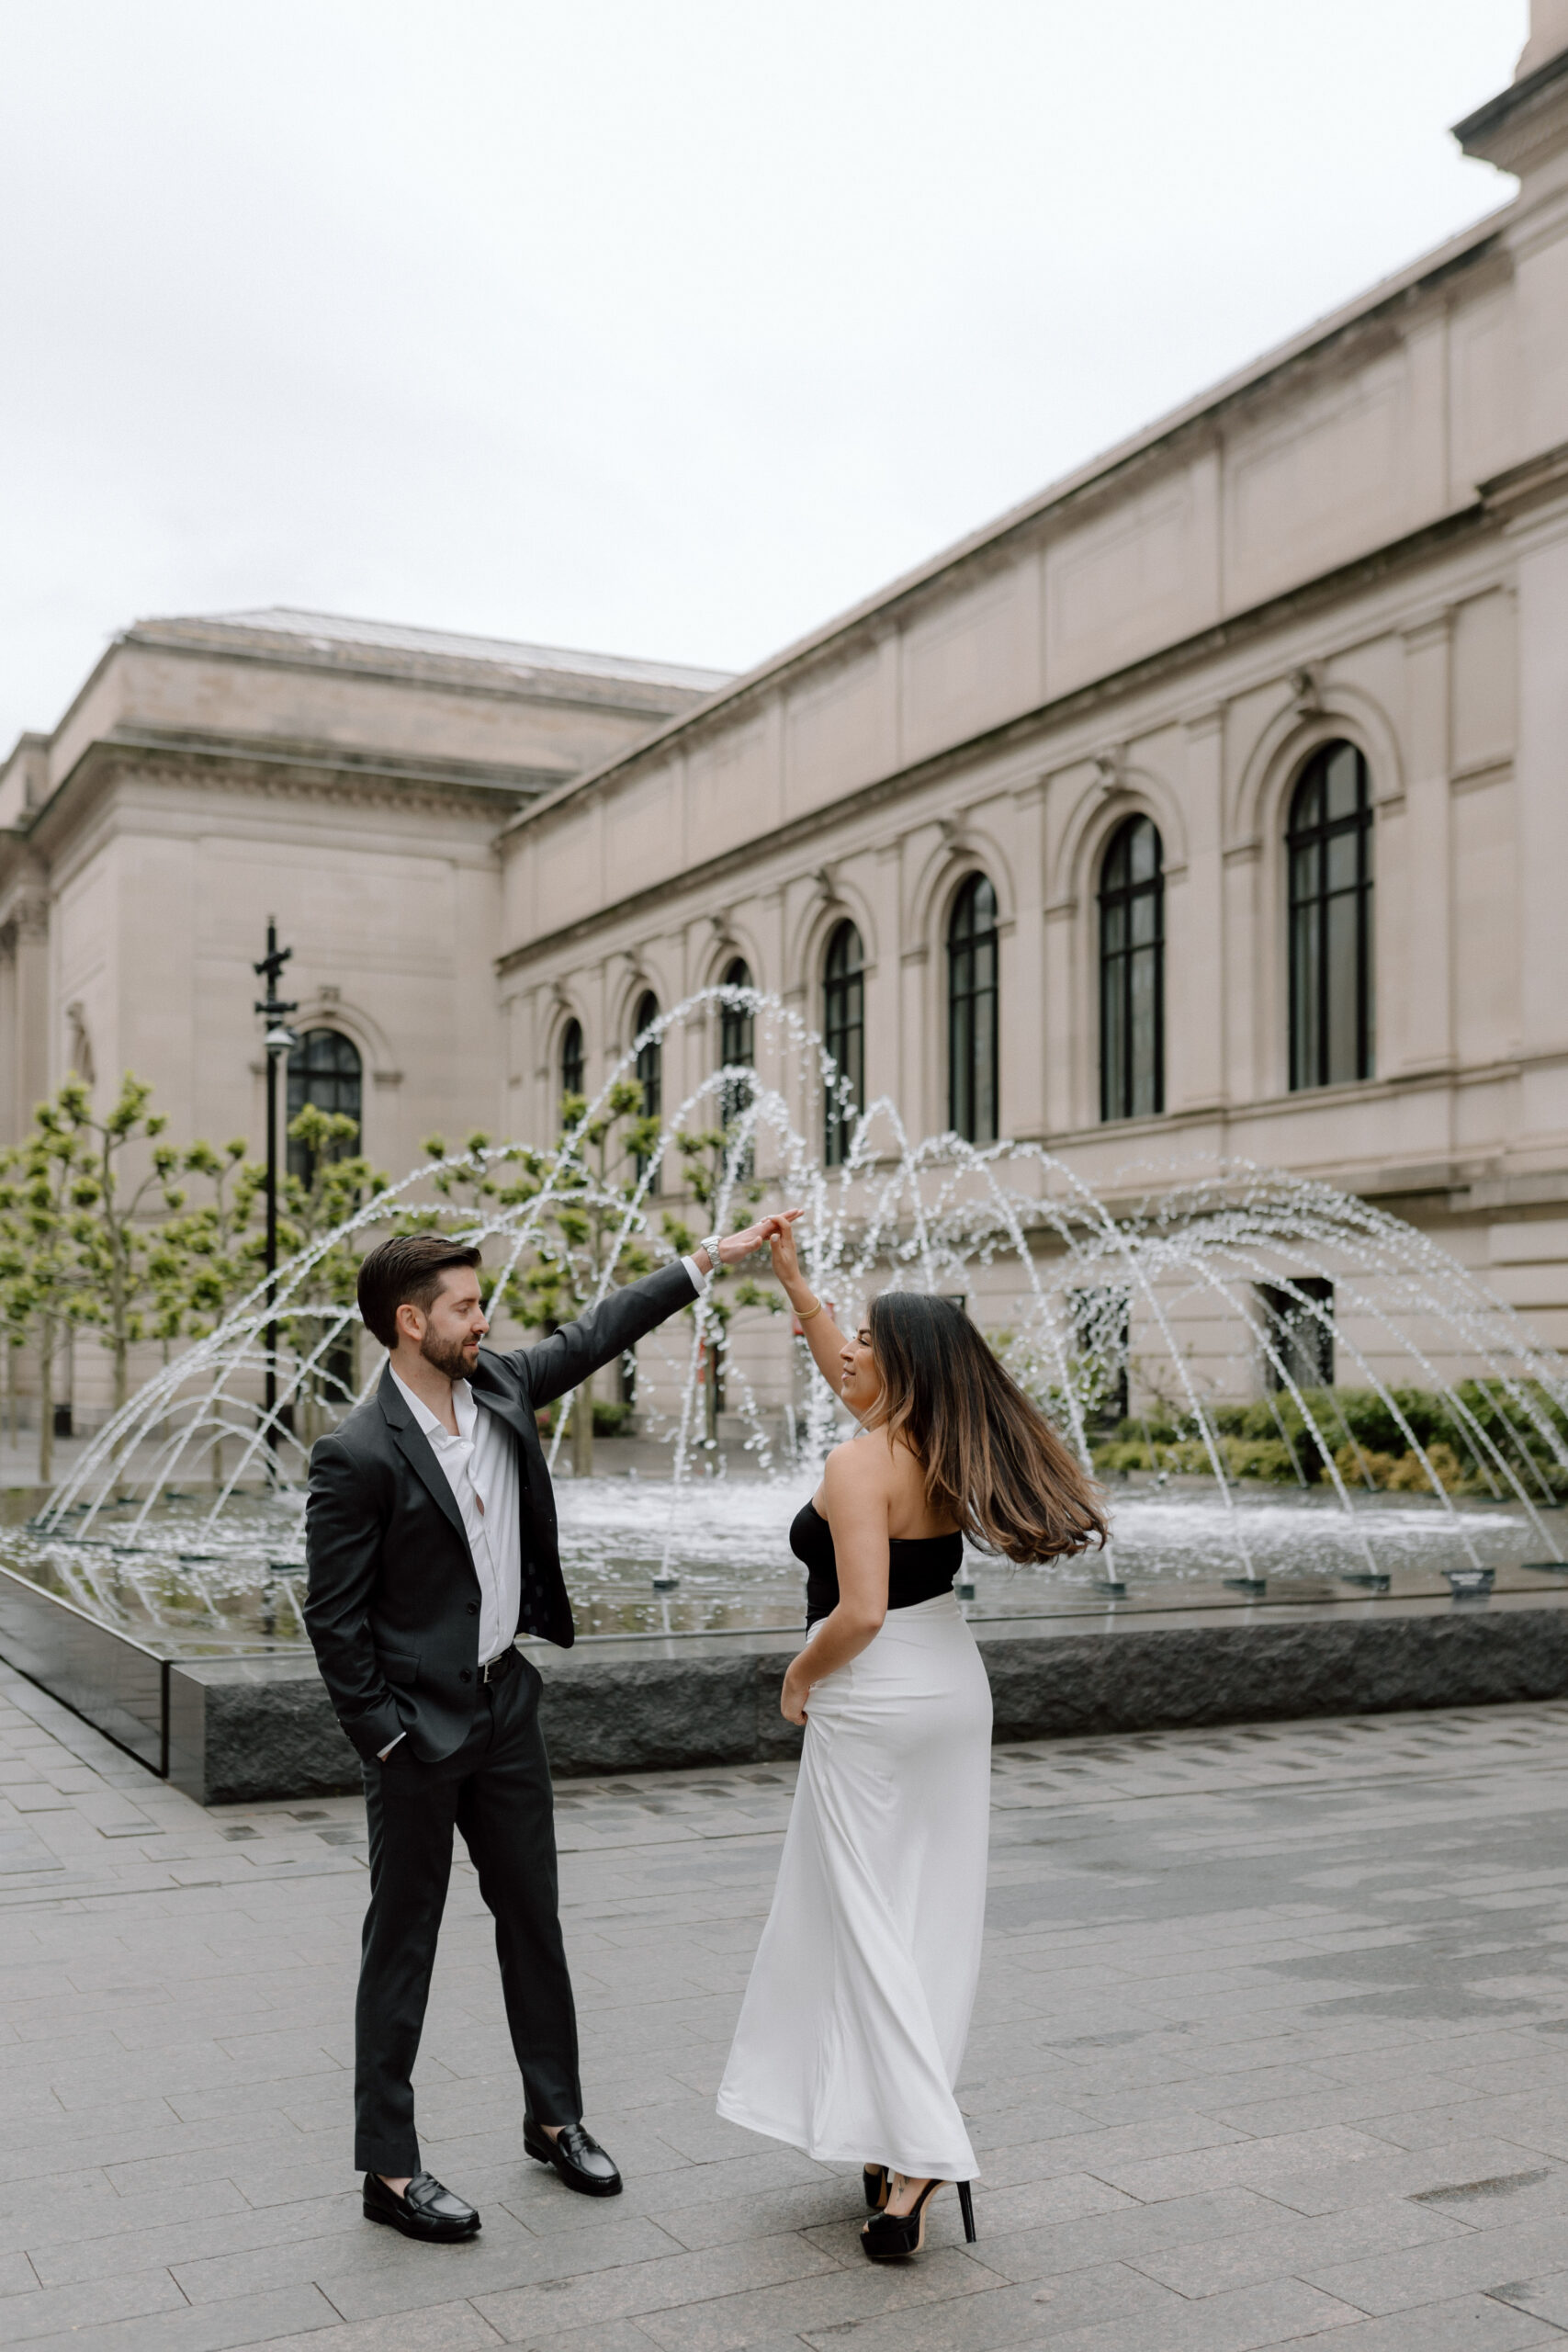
(737, 1039)
(843, 1034)
(1329, 845)
(571, 1059)
(324, 1069)
(649, 1063)
(1132, 973)
(972, 1013)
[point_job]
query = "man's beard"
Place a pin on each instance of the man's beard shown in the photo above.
(446, 1355)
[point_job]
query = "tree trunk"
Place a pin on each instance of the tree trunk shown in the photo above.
(582, 1431)
(46, 1402)
(710, 1386)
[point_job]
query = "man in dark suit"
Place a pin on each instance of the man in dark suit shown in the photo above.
(431, 1540)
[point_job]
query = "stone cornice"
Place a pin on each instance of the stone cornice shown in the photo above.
(275, 767)
(1535, 482)
(1171, 662)
(1523, 124)
(448, 673)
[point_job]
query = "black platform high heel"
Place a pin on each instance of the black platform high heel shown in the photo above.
(894, 2237)
(876, 2180)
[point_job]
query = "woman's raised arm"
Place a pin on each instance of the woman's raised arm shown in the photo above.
(823, 1336)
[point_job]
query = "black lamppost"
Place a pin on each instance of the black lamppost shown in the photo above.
(278, 1041)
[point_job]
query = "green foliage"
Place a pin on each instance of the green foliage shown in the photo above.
(106, 1261)
(213, 1254)
(476, 1183)
(1241, 1457)
(585, 1235)
(588, 1234)
(704, 1152)
(1471, 1445)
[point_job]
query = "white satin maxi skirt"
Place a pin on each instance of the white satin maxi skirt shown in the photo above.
(852, 2032)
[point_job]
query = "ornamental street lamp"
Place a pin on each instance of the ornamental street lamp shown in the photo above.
(278, 1041)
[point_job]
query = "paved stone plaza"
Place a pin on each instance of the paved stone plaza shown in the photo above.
(1272, 2043)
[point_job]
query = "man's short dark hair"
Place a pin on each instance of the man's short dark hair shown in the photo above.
(406, 1270)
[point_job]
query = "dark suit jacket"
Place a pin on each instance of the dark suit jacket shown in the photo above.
(393, 1600)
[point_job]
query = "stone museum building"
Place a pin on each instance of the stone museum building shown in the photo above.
(1211, 804)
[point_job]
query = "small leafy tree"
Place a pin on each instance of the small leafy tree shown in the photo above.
(213, 1254)
(706, 1152)
(120, 1270)
(582, 1244)
(339, 1181)
(475, 1185)
(78, 1246)
(36, 1214)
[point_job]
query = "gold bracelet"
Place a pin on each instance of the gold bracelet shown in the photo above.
(805, 1313)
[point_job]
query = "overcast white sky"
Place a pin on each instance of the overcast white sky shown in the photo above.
(666, 327)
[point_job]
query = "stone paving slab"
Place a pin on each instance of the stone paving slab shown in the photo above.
(1271, 2049)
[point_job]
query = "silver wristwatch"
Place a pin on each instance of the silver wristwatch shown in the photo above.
(711, 1246)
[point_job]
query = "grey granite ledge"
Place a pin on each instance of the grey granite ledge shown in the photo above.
(245, 1729)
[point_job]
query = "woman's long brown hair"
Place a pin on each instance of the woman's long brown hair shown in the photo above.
(991, 1459)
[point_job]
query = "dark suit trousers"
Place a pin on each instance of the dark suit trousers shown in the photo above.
(496, 1789)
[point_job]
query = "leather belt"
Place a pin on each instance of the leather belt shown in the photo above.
(499, 1667)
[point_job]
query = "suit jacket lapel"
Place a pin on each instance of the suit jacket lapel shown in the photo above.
(493, 1393)
(414, 1447)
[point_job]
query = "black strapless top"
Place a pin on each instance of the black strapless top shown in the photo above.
(918, 1567)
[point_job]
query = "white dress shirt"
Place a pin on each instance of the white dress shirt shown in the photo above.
(480, 1464)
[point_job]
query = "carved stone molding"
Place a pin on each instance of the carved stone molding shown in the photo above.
(1306, 690)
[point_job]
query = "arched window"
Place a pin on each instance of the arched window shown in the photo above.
(737, 1041)
(843, 1034)
(972, 1013)
(1329, 845)
(1132, 973)
(324, 1069)
(571, 1058)
(649, 1064)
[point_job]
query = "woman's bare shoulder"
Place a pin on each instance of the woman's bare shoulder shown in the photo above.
(860, 1465)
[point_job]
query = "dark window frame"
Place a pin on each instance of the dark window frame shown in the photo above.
(1325, 969)
(573, 1058)
(1132, 1081)
(649, 1066)
(843, 1036)
(737, 1041)
(974, 997)
(335, 1083)
(1300, 1325)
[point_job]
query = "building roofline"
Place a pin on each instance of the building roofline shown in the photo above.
(398, 649)
(1458, 252)
(1521, 97)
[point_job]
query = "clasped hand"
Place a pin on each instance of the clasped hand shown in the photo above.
(736, 1246)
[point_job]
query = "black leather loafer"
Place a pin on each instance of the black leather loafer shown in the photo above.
(424, 2209)
(577, 2157)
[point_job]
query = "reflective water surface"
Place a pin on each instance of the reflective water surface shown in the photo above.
(190, 1588)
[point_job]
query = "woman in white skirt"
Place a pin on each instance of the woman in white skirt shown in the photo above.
(852, 2032)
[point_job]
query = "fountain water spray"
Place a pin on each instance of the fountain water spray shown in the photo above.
(1193, 1293)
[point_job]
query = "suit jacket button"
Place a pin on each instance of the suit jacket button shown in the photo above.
(473, 1608)
(465, 1675)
